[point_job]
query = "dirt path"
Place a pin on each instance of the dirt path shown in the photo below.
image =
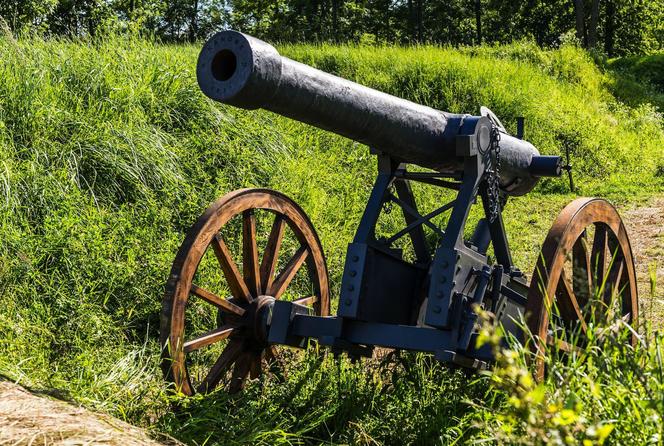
(27, 419)
(645, 227)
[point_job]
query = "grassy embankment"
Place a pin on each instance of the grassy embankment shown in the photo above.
(109, 152)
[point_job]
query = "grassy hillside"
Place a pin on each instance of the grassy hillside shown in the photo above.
(109, 152)
(639, 79)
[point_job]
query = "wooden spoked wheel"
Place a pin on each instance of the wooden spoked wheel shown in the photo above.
(214, 317)
(584, 277)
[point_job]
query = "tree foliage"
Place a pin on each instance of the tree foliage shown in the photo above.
(616, 27)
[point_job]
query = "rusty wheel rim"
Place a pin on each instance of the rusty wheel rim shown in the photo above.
(585, 272)
(236, 347)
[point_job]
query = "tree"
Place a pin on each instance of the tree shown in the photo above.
(619, 26)
(636, 26)
(80, 17)
(25, 15)
(545, 21)
(592, 25)
(580, 20)
(420, 25)
(609, 27)
(478, 20)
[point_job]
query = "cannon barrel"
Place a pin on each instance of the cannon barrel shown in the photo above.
(240, 70)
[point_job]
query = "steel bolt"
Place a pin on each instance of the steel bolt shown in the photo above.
(437, 310)
(445, 264)
(348, 302)
(353, 273)
(351, 288)
(356, 258)
(443, 279)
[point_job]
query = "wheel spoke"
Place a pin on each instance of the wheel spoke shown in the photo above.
(271, 354)
(235, 282)
(256, 366)
(306, 301)
(216, 300)
(582, 270)
(225, 360)
(250, 266)
(208, 338)
(599, 254)
(567, 302)
(281, 283)
(271, 255)
(240, 372)
(613, 282)
(562, 345)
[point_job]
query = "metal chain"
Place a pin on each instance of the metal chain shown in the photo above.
(388, 204)
(493, 174)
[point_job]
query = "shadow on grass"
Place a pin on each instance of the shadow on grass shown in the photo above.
(638, 80)
(409, 400)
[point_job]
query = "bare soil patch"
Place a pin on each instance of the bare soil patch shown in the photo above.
(645, 227)
(27, 419)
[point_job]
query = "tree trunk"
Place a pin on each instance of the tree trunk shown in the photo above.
(419, 21)
(193, 24)
(410, 25)
(335, 20)
(580, 17)
(388, 23)
(92, 28)
(609, 27)
(478, 20)
(592, 27)
(322, 21)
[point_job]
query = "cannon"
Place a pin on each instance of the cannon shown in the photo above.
(418, 288)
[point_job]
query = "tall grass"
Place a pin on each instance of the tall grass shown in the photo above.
(108, 152)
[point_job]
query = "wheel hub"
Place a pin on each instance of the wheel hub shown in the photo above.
(261, 314)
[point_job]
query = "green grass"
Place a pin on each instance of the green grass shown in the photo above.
(109, 152)
(639, 79)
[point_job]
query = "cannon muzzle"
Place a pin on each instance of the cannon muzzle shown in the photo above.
(246, 72)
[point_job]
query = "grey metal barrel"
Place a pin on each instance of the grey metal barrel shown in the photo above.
(243, 71)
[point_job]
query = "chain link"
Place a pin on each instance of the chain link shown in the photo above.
(388, 204)
(493, 174)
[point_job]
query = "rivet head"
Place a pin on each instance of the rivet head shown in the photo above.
(351, 288)
(353, 273)
(356, 258)
(443, 279)
(348, 302)
(437, 310)
(439, 294)
(445, 264)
